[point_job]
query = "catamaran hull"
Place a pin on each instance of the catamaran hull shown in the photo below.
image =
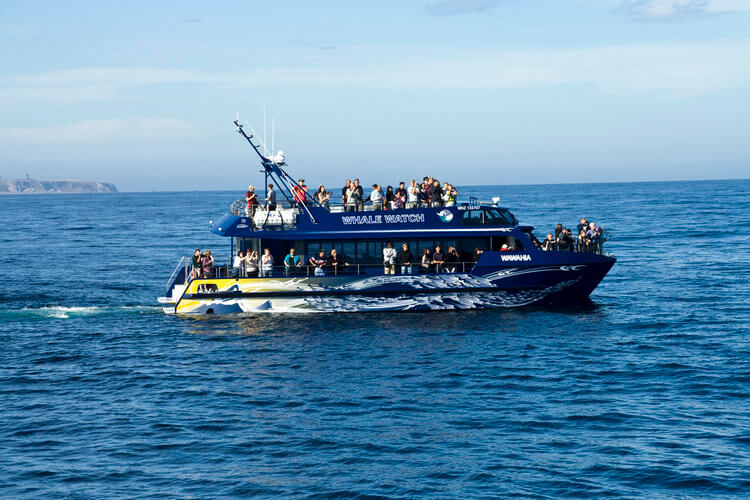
(500, 288)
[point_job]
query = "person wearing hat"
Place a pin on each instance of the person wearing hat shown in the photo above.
(251, 197)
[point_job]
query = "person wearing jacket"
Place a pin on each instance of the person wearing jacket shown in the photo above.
(389, 258)
(405, 259)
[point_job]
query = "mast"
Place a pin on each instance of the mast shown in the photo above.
(272, 169)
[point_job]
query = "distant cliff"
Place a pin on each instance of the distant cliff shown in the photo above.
(33, 186)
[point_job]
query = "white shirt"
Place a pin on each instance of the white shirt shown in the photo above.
(411, 193)
(376, 195)
(389, 255)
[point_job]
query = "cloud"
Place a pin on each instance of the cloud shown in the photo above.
(460, 7)
(672, 69)
(663, 10)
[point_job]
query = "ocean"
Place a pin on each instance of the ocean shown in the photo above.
(644, 392)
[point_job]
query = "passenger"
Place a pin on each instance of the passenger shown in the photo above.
(336, 262)
(583, 242)
(266, 264)
(565, 240)
(451, 259)
(238, 265)
(438, 259)
(505, 248)
(593, 236)
(558, 230)
(300, 192)
(549, 243)
(399, 200)
(390, 196)
(591, 232)
(412, 195)
(323, 197)
(424, 193)
(251, 263)
(251, 197)
(449, 195)
(436, 194)
(357, 196)
(426, 261)
(345, 193)
(207, 264)
(376, 197)
(582, 226)
(292, 263)
(405, 258)
(389, 258)
(319, 262)
(197, 264)
(270, 199)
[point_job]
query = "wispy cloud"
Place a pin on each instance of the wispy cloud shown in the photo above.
(664, 10)
(460, 7)
(674, 69)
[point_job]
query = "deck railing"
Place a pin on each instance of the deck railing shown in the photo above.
(306, 270)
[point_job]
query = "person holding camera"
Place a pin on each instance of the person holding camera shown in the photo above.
(323, 197)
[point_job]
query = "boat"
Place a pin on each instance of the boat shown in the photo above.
(500, 264)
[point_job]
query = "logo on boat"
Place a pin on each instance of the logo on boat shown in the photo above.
(380, 219)
(445, 215)
(516, 258)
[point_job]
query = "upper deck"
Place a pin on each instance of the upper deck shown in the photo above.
(337, 221)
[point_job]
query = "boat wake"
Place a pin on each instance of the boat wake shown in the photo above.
(61, 312)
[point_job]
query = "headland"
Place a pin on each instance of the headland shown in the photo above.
(34, 186)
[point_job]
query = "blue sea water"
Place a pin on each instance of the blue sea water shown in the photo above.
(644, 392)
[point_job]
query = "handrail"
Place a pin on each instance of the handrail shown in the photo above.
(238, 207)
(176, 270)
(307, 270)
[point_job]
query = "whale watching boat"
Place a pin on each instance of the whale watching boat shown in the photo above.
(507, 270)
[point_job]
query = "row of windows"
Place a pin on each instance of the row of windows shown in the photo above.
(371, 251)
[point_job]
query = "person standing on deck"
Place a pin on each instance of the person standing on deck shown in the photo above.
(300, 192)
(266, 264)
(197, 263)
(389, 258)
(270, 199)
(291, 262)
(412, 195)
(405, 258)
(251, 197)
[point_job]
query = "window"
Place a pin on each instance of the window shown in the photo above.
(371, 251)
(488, 217)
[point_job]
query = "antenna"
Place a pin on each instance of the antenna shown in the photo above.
(264, 128)
(273, 135)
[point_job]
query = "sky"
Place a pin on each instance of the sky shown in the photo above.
(143, 94)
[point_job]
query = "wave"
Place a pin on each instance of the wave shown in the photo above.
(63, 312)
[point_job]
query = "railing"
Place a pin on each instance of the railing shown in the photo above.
(306, 270)
(182, 265)
(239, 206)
(596, 246)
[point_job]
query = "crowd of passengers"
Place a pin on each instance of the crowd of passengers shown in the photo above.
(401, 261)
(428, 193)
(590, 238)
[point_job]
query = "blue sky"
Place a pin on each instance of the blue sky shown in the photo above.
(142, 94)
